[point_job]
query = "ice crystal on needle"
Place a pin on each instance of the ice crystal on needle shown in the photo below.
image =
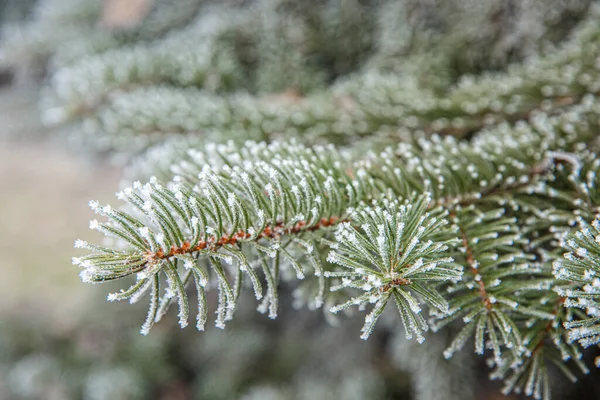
(399, 251)
(362, 152)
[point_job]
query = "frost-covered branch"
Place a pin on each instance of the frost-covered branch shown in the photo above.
(400, 252)
(321, 141)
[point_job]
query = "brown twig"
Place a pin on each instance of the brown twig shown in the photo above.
(270, 231)
(471, 264)
(542, 335)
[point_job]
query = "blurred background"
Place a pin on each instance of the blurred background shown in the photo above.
(60, 339)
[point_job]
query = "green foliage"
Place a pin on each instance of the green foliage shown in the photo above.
(580, 267)
(261, 219)
(400, 251)
(317, 141)
(269, 209)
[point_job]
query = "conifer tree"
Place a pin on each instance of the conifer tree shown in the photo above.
(434, 158)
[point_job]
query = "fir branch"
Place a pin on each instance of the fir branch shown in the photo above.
(546, 347)
(230, 214)
(486, 299)
(580, 267)
(474, 199)
(398, 252)
(253, 204)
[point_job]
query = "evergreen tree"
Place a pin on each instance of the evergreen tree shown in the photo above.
(436, 158)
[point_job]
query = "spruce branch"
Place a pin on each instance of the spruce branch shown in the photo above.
(469, 201)
(580, 267)
(399, 252)
(235, 216)
(487, 298)
(483, 172)
(477, 207)
(546, 346)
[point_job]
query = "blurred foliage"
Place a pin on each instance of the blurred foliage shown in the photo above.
(103, 357)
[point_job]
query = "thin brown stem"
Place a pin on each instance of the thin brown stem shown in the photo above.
(213, 243)
(471, 264)
(546, 331)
